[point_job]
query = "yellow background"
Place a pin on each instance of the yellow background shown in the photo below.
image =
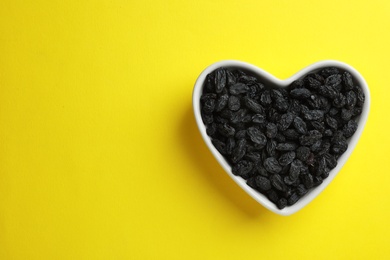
(100, 157)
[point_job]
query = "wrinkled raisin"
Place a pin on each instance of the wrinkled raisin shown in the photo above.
(272, 165)
(234, 103)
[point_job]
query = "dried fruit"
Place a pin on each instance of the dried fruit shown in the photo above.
(263, 183)
(300, 125)
(300, 93)
(234, 103)
(256, 136)
(277, 182)
(285, 121)
(254, 106)
(272, 165)
(221, 102)
(286, 158)
(282, 203)
(238, 88)
(286, 147)
(242, 168)
(220, 80)
(271, 130)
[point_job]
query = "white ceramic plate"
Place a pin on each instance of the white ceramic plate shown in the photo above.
(273, 81)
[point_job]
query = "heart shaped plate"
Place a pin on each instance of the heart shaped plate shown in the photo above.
(272, 81)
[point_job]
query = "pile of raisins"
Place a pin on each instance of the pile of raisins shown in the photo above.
(282, 141)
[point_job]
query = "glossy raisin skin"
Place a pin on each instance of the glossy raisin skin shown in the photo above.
(282, 141)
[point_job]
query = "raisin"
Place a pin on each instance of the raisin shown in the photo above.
(333, 111)
(234, 103)
(276, 94)
(221, 102)
(307, 180)
(287, 180)
(331, 161)
(226, 130)
(301, 190)
(292, 199)
(282, 203)
(310, 138)
(220, 80)
(346, 114)
(328, 133)
(321, 167)
(316, 146)
(331, 122)
(254, 106)
(271, 147)
(247, 79)
(253, 156)
(339, 147)
(239, 151)
(299, 83)
(300, 125)
(220, 146)
(211, 129)
(295, 107)
(285, 121)
(277, 182)
(273, 196)
(238, 116)
(281, 104)
(303, 153)
(257, 136)
(339, 101)
(351, 99)
(333, 80)
(253, 91)
(238, 88)
(286, 158)
(313, 115)
(291, 134)
(300, 93)
(209, 106)
(356, 111)
(273, 115)
(312, 83)
(230, 144)
(258, 119)
(263, 183)
(325, 146)
(207, 96)
(347, 80)
(240, 134)
(317, 180)
(242, 168)
(350, 128)
(286, 147)
(271, 130)
(265, 98)
(318, 125)
(326, 72)
(280, 138)
(295, 169)
(230, 78)
(251, 182)
(207, 119)
(360, 96)
(328, 91)
(272, 165)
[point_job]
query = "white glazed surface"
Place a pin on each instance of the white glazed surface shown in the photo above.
(197, 92)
